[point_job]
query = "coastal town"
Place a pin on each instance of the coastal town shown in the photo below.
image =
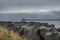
(33, 30)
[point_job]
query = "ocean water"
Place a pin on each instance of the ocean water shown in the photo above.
(56, 23)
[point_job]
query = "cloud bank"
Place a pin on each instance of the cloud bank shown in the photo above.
(10, 9)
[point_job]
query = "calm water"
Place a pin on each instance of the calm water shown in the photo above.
(57, 23)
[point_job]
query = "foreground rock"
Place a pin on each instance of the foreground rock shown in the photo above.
(33, 30)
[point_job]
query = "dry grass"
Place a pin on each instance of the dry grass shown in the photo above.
(6, 34)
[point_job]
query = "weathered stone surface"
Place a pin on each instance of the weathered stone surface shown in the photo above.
(33, 30)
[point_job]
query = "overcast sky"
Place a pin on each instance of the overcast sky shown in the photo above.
(28, 6)
(44, 8)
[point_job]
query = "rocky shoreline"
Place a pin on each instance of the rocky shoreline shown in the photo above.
(33, 30)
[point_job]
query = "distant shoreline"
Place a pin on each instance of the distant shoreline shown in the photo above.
(32, 20)
(43, 19)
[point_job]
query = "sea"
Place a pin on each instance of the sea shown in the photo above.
(56, 23)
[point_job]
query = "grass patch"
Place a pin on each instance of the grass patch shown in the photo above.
(6, 34)
(6, 37)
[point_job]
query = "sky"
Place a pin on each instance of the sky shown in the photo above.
(44, 8)
(29, 6)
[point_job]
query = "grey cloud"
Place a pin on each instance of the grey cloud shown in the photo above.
(28, 3)
(18, 16)
(54, 14)
(4, 4)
